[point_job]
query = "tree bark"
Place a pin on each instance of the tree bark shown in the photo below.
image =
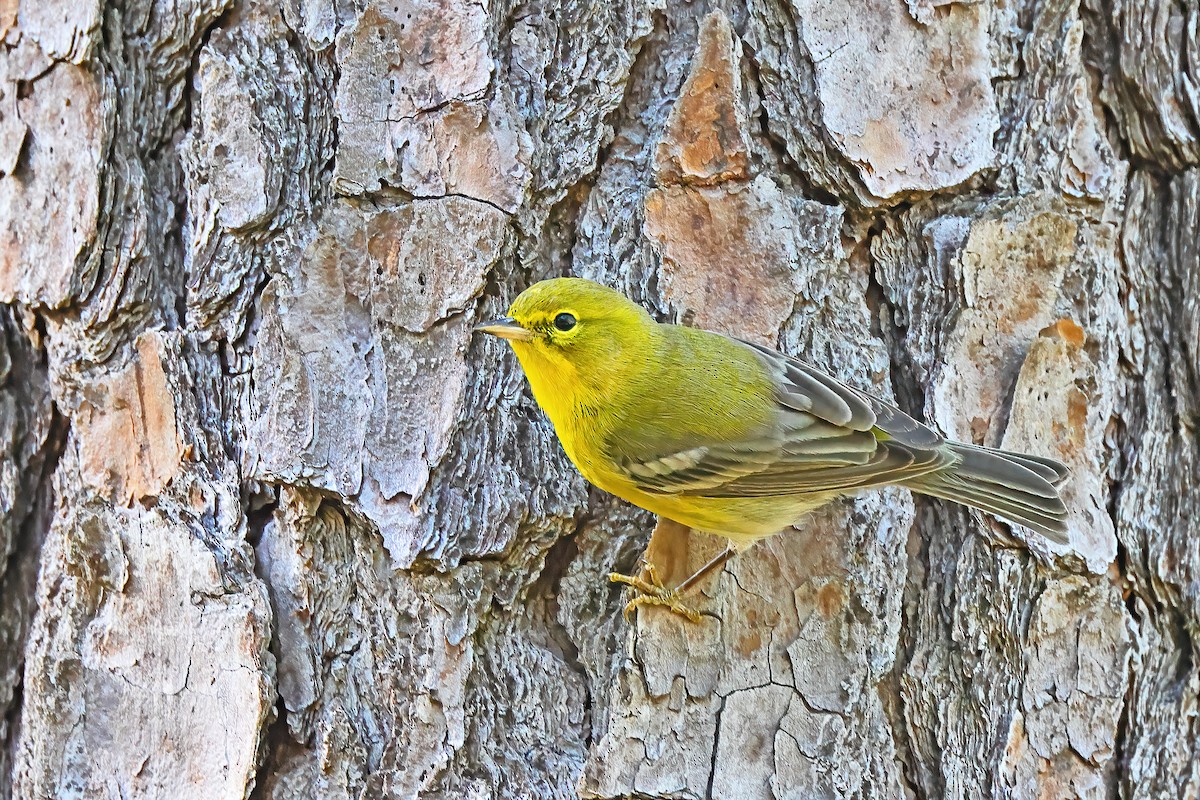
(273, 524)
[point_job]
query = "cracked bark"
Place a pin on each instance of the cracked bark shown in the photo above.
(273, 524)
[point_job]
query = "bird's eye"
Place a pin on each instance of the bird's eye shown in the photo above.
(564, 322)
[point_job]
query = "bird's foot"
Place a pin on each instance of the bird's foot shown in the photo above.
(650, 591)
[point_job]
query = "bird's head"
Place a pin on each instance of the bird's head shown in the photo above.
(573, 330)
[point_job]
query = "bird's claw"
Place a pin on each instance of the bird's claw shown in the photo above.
(650, 591)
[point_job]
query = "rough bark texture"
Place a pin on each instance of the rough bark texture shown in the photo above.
(274, 525)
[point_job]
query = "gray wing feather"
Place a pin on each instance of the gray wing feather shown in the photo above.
(825, 439)
(866, 411)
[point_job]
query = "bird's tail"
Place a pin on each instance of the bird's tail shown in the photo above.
(1021, 488)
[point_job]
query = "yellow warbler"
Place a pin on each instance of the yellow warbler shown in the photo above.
(732, 438)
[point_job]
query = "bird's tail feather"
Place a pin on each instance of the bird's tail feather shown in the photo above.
(1021, 488)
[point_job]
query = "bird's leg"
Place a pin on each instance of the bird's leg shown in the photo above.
(652, 592)
(715, 563)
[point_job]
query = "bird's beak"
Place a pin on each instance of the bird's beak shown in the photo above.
(505, 328)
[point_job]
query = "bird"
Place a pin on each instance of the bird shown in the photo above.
(733, 438)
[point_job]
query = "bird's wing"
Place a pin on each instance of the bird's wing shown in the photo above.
(828, 437)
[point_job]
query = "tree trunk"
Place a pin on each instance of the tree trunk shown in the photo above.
(274, 524)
